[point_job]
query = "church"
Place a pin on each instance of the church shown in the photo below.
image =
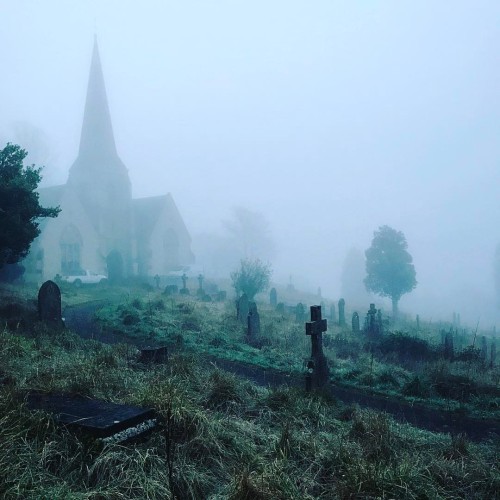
(100, 227)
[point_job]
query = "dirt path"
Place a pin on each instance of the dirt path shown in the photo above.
(80, 320)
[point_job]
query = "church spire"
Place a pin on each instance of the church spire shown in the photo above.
(97, 138)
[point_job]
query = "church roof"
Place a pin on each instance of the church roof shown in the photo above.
(147, 211)
(97, 137)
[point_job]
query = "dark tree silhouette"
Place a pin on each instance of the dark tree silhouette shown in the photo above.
(19, 205)
(389, 268)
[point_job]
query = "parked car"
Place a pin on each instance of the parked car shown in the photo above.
(85, 278)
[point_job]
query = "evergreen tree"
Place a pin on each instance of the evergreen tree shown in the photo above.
(20, 209)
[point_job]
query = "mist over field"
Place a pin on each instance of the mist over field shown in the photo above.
(325, 119)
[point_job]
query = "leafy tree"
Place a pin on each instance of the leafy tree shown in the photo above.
(389, 268)
(19, 205)
(252, 277)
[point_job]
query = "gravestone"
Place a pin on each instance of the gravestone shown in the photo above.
(355, 322)
(171, 289)
(300, 313)
(200, 292)
(273, 297)
(100, 419)
(280, 308)
(484, 350)
(341, 312)
(184, 289)
(379, 321)
(448, 350)
(157, 280)
(317, 367)
(333, 315)
(49, 305)
(253, 321)
(153, 355)
(373, 325)
(242, 309)
(493, 353)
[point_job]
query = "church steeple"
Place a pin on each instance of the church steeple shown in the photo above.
(97, 139)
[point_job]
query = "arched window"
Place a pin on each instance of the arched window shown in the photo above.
(71, 244)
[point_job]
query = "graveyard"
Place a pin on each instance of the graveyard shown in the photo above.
(190, 393)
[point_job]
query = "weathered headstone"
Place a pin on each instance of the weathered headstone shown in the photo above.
(317, 367)
(49, 305)
(300, 313)
(448, 345)
(253, 321)
(242, 309)
(184, 289)
(333, 315)
(273, 297)
(372, 322)
(355, 322)
(280, 308)
(341, 312)
(171, 289)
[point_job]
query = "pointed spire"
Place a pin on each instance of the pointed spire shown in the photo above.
(97, 138)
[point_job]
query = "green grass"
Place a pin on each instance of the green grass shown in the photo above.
(221, 437)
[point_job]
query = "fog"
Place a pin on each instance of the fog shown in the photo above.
(328, 118)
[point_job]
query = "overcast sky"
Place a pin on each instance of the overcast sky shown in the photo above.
(331, 118)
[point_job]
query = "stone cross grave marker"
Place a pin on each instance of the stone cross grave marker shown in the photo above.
(242, 309)
(253, 321)
(355, 322)
(184, 289)
(300, 313)
(341, 312)
(273, 297)
(49, 304)
(317, 367)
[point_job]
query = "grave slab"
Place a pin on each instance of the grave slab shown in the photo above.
(100, 419)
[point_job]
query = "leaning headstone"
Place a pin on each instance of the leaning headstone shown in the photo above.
(253, 321)
(341, 312)
(355, 322)
(242, 309)
(317, 374)
(300, 313)
(273, 297)
(49, 305)
(333, 315)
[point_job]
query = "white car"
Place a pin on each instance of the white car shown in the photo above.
(85, 278)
